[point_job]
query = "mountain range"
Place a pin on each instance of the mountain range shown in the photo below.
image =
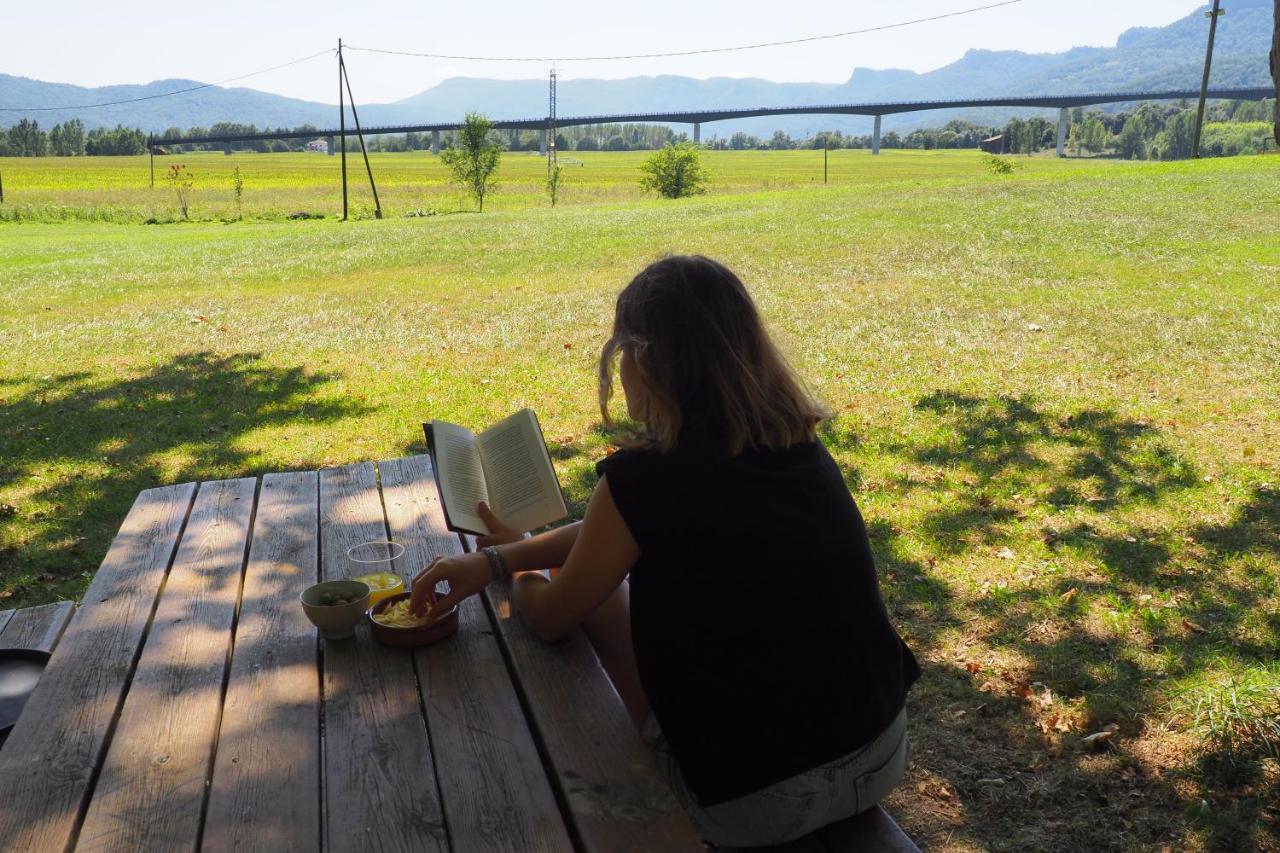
(1143, 59)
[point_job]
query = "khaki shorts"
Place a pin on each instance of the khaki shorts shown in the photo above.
(797, 806)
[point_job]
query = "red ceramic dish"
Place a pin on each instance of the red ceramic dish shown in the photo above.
(443, 626)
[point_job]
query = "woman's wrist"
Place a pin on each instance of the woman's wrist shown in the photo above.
(498, 567)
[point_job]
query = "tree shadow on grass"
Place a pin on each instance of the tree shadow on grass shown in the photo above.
(1090, 500)
(83, 449)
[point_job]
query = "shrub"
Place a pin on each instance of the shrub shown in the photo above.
(999, 165)
(674, 171)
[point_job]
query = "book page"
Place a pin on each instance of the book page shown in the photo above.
(522, 484)
(461, 475)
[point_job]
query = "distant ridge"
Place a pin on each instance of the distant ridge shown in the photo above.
(1143, 59)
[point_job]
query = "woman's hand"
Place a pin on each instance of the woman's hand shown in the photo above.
(467, 574)
(499, 532)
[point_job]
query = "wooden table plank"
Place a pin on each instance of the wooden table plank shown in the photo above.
(497, 796)
(47, 767)
(617, 799)
(5, 616)
(36, 627)
(265, 793)
(380, 788)
(151, 793)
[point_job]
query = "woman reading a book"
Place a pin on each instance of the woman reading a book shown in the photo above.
(722, 572)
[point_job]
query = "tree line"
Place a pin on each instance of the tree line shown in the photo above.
(1152, 131)
(69, 139)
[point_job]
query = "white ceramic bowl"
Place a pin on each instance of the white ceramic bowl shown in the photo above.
(335, 621)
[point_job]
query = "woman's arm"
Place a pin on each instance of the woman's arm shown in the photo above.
(544, 551)
(596, 566)
(600, 552)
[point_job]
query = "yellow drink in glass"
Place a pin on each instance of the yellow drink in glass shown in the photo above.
(382, 585)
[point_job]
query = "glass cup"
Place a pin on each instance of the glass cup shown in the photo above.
(373, 563)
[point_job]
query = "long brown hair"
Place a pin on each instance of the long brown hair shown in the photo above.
(705, 361)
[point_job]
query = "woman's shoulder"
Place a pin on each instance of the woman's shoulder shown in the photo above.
(626, 462)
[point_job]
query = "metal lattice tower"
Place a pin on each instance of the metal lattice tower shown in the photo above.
(551, 124)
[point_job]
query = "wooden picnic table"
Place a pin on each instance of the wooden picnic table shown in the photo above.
(190, 703)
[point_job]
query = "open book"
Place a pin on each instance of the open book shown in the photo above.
(507, 466)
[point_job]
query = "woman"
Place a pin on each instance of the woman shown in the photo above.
(722, 572)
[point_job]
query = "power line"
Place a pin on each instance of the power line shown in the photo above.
(167, 94)
(897, 25)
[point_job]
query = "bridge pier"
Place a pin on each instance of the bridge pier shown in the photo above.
(329, 146)
(226, 149)
(875, 137)
(435, 142)
(697, 133)
(1063, 121)
(542, 143)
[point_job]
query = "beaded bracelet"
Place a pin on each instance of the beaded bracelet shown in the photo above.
(497, 564)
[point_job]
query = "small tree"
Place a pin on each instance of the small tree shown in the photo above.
(237, 182)
(674, 171)
(473, 159)
(181, 181)
(553, 183)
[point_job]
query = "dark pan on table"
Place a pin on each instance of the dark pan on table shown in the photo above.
(444, 626)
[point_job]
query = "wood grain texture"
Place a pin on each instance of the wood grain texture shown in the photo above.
(48, 763)
(380, 788)
(265, 793)
(151, 793)
(5, 616)
(616, 797)
(36, 627)
(497, 796)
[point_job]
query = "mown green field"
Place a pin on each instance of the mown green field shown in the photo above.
(1056, 394)
(276, 185)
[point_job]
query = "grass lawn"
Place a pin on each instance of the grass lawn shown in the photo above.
(1057, 398)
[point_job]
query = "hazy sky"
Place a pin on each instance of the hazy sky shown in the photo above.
(92, 43)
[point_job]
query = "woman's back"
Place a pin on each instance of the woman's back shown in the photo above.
(762, 641)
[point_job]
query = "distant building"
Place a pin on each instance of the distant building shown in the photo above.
(997, 144)
(318, 145)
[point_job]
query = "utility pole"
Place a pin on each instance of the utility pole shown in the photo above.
(551, 126)
(151, 149)
(342, 131)
(1213, 16)
(364, 151)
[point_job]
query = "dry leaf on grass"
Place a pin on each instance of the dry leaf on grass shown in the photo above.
(1099, 739)
(973, 666)
(1069, 594)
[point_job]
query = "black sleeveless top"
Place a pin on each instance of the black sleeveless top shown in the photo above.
(763, 644)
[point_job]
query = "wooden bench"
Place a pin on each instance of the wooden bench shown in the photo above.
(873, 831)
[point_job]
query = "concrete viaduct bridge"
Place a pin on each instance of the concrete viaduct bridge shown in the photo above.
(697, 118)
